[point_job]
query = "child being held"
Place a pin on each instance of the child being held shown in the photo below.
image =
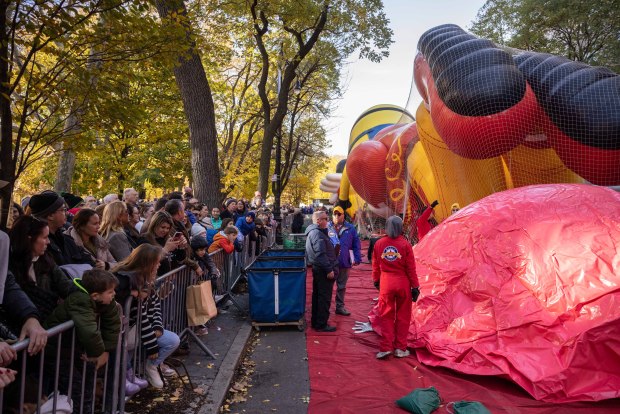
(93, 301)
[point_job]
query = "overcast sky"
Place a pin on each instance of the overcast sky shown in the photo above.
(389, 82)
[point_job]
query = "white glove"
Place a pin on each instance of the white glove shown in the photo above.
(361, 327)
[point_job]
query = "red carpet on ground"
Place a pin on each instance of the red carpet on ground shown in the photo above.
(345, 377)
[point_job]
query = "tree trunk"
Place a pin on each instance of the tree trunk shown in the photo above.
(199, 110)
(64, 173)
(66, 160)
(72, 130)
(7, 163)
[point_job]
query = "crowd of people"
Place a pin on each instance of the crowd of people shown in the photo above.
(65, 257)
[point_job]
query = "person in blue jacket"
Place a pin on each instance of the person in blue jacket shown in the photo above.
(245, 224)
(345, 240)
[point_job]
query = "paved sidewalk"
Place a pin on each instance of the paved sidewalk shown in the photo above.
(227, 338)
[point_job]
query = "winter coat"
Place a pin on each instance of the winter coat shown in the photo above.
(298, 223)
(320, 251)
(119, 245)
(244, 227)
(169, 261)
(64, 250)
(17, 305)
(347, 239)
(103, 249)
(85, 314)
(220, 241)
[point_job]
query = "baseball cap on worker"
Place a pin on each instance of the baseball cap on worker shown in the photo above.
(338, 209)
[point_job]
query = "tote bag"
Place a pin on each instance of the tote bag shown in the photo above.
(200, 304)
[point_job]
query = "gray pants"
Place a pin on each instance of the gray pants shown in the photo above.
(341, 286)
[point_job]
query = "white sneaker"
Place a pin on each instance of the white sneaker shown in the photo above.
(383, 355)
(153, 376)
(399, 353)
(166, 371)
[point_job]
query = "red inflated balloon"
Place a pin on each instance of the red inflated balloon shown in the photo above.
(524, 284)
(366, 171)
(477, 137)
(396, 165)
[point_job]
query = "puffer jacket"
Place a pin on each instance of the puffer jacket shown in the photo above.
(220, 241)
(84, 312)
(320, 251)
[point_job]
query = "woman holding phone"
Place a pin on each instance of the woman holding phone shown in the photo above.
(158, 233)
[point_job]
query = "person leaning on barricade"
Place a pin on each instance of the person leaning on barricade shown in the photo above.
(136, 276)
(19, 319)
(224, 239)
(97, 327)
(35, 271)
(17, 308)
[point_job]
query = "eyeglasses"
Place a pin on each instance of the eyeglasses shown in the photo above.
(337, 214)
(322, 218)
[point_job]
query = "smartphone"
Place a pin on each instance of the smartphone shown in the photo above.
(177, 235)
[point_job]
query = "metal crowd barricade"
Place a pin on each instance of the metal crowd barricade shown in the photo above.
(40, 375)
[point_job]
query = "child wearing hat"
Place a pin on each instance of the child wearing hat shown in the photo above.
(199, 248)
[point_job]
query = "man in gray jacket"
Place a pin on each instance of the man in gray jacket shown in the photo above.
(321, 255)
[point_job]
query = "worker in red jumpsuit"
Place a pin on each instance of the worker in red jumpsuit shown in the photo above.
(394, 275)
(422, 222)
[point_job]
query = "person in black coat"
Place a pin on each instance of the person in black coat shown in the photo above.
(298, 221)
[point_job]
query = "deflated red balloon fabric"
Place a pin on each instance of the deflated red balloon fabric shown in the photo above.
(524, 284)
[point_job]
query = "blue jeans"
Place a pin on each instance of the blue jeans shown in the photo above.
(167, 342)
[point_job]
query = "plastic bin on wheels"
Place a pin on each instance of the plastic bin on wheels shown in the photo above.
(277, 289)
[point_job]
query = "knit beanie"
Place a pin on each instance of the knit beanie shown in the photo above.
(198, 242)
(45, 203)
(72, 200)
(197, 230)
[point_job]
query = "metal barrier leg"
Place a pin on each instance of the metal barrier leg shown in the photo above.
(241, 309)
(201, 345)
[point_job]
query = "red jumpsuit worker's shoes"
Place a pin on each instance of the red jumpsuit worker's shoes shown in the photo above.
(399, 353)
(383, 354)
